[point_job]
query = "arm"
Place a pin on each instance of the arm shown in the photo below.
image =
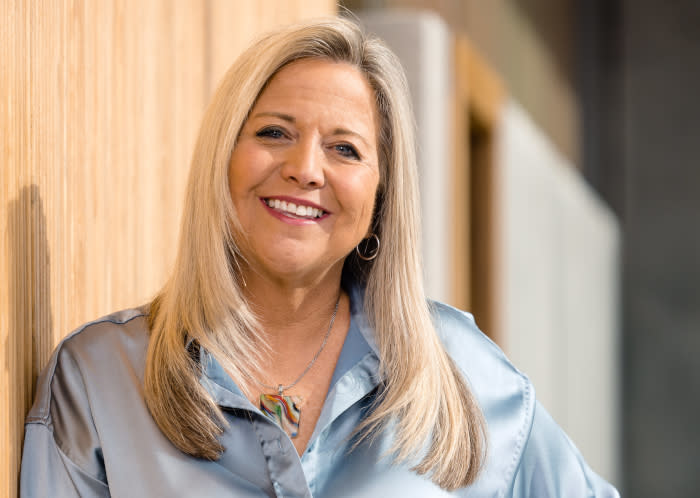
(551, 466)
(48, 471)
(62, 456)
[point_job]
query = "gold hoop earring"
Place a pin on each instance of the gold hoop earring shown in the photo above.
(363, 249)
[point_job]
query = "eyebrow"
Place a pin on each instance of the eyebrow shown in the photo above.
(281, 115)
(344, 131)
(292, 119)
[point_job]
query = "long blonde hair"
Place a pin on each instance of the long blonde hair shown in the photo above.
(202, 302)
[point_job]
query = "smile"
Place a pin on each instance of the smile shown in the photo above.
(293, 210)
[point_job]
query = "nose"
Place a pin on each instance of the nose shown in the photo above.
(304, 165)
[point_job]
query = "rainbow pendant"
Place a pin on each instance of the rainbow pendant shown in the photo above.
(283, 410)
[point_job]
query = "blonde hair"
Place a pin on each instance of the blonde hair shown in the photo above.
(423, 395)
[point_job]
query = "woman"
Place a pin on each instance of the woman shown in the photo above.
(293, 352)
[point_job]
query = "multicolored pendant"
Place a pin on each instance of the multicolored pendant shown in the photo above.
(285, 411)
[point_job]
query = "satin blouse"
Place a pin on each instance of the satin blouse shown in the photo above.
(90, 434)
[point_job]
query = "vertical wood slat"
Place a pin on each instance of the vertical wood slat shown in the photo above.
(460, 246)
(479, 97)
(99, 107)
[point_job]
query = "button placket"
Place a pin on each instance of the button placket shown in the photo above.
(309, 463)
(283, 464)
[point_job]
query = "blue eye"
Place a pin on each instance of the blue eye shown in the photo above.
(347, 150)
(270, 132)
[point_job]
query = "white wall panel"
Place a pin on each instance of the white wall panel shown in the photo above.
(559, 287)
(422, 42)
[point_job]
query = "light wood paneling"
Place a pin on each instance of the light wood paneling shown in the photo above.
(479, 97)
(100, 104)
(461, 251)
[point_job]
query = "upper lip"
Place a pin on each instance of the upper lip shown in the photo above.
(298, 202)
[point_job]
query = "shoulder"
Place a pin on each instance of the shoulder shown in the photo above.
(489, 372)
(505, 395)
(471, 349)
(89, 350)
(95, 370)
(528, 453)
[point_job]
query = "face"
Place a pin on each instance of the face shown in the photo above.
(304, 173)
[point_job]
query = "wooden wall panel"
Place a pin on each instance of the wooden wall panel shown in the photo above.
(99, 108)
(479, 98)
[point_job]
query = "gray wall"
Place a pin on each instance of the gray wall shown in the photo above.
(662, 279)
(641, 79)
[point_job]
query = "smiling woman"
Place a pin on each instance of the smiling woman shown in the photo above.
(303, 178)
(290, 354)
(304, 174)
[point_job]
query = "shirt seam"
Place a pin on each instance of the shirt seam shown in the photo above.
(523, 433)
(45, 417)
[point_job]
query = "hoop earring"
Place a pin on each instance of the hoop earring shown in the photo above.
(366, 253)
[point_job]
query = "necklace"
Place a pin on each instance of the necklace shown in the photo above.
(285, 410)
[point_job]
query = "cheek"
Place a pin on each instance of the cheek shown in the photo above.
(246, 170)
(236, 175)
(361, 190)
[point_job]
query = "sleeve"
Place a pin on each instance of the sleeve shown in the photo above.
(48, 471)
(62, 455)
(551, 466)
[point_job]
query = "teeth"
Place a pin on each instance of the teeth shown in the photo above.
(291, 208)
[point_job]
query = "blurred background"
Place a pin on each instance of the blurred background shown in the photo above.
(559, 177)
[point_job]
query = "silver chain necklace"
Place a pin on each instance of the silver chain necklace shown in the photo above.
(286, 410)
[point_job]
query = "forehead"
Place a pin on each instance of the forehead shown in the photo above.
(322, 72)
(338, 86)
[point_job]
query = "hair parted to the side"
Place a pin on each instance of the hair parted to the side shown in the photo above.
(202, 301)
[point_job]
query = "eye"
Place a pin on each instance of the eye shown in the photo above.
(347, 150)
(270, 132)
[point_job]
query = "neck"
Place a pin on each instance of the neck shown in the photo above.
(293, 312)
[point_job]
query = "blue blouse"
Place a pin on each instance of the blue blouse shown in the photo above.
(90, 434)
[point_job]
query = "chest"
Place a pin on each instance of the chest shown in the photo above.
(296, 410)
(260, 461)
(304, 379)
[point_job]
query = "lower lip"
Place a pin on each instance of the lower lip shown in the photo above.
(288, 219)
